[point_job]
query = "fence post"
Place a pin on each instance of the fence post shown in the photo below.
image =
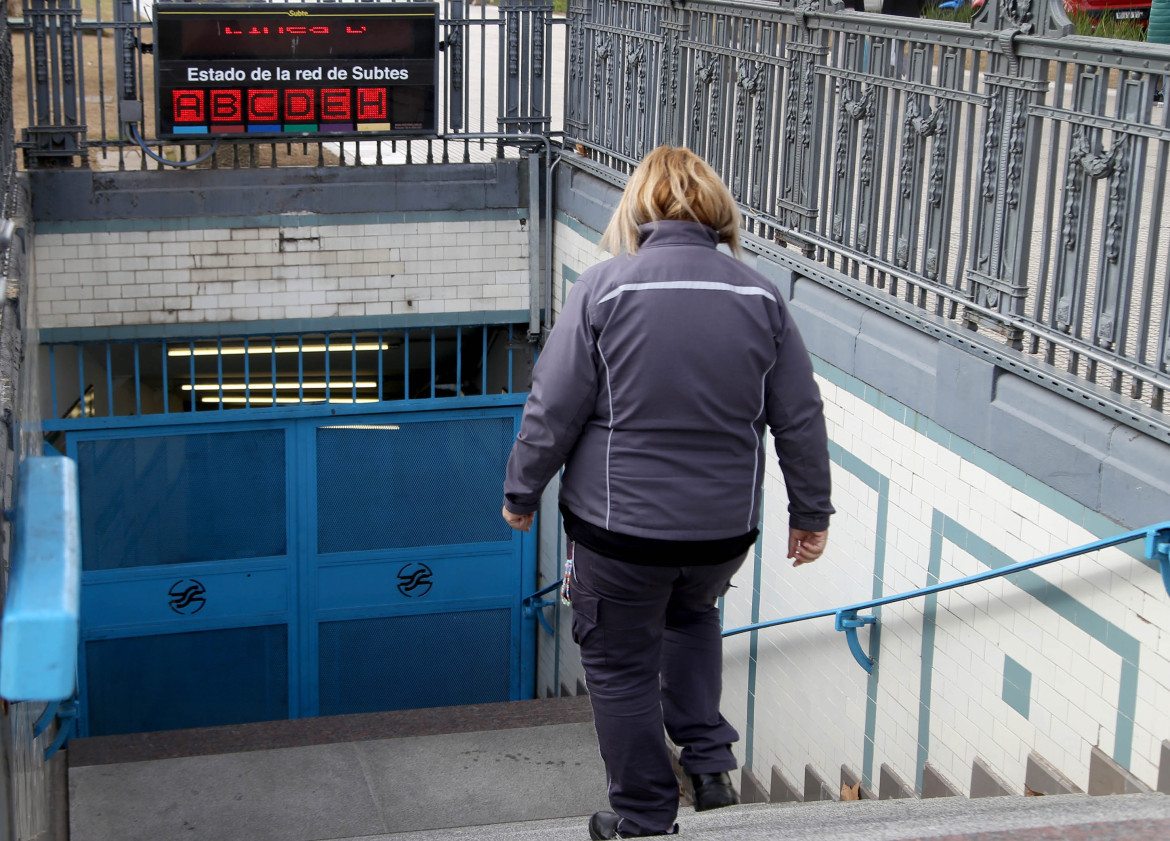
(56, 133)
(524, 64)
(808, 49)
(1010, 166)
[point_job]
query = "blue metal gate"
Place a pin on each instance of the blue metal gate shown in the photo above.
(259, 570)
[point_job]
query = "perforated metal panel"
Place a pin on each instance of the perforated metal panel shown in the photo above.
(388, 486)
(176, 499)
(187, 680)
(409, 662)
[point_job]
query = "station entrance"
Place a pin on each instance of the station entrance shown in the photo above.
(351, 560)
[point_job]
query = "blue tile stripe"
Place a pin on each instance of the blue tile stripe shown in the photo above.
(881, 485)
(754, 645)
(578, 227)
(929, 621)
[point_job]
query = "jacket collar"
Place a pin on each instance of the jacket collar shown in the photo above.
(676, 232)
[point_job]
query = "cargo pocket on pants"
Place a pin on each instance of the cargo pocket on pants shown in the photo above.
(585, 607)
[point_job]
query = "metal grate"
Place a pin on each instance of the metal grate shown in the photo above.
(411, 662)
(107, 379)
(177, 681)
(150, 501)
(375, 480)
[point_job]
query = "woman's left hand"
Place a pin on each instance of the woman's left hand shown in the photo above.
(520, 522)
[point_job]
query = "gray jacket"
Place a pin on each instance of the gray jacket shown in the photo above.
(653, 391)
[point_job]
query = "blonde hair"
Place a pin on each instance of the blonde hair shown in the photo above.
(672, 182)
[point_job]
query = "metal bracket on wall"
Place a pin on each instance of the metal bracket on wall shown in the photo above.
(1158, 549)
(534, 606)
(848, 621)
(66, 714)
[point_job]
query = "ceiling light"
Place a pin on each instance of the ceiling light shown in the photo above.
(239, 350)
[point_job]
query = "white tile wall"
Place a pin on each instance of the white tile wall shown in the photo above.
(242, 274)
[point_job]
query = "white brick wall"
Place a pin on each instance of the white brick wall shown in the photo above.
(296, 271)
(810, 696)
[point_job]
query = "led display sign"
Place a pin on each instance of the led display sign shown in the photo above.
(245, 69)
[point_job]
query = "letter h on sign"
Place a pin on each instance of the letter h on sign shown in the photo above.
(371, 104)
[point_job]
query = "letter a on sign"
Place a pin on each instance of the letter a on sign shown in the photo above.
(188, 106)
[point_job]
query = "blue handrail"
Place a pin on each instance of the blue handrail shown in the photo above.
(1157, 540)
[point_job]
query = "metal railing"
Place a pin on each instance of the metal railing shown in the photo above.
(847, 619)
(7, 146)
(1000, 184)
(82, 64)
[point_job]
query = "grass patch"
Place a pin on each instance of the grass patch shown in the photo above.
(1107, 26)
(963, 14)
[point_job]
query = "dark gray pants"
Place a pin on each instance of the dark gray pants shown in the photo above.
(653, 656)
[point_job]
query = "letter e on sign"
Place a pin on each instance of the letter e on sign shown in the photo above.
(335, 104)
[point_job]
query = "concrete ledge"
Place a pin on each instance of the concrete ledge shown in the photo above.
(1164, 769)
(1107, 777)
(1041, 777)
(325, 730)
(850, 779)
(783, 791)
(77, 195)
(816, 787)
(751, 790)
(893, 787)
(986, 783)
(934, 784)
(829, 324)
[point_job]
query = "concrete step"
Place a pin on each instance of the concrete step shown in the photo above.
(331, 788)
(1129, 817)
(525, 771)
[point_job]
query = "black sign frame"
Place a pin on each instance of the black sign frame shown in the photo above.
(295, 70)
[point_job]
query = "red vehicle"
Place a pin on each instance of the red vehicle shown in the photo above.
(1123, 10)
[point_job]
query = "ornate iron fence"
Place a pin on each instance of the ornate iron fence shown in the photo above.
(1000, 183)
(90, 81)
(7, 135)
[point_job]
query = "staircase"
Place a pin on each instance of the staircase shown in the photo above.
(515, 772)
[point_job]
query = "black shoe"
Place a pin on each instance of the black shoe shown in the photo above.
(713, 791)
(604, 825)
